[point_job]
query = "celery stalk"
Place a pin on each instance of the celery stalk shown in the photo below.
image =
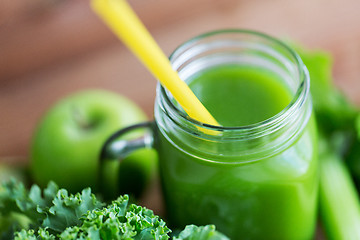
(339, 202)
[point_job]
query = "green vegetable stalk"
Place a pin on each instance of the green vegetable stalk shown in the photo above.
(339, 202)
(338, 198)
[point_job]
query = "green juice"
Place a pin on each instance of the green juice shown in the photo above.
(272, 197)
(238, 96)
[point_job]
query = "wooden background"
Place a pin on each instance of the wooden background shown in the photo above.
(50, 48)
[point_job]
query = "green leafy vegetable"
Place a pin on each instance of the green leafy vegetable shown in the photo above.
(116, 221)
(54, 214)
(52, 209)
(67, 210)
(333, 110)
(20, 208)
(193, 232)
(42, 234)
(119, 221)
(357, 125)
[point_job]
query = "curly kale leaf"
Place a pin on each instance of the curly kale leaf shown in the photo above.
(208, 232)
(54, 214)
(68, 209)
(42, 234)
(20, 208)
(52, 209)
(119, 221)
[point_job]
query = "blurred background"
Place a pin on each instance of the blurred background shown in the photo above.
(51, 48)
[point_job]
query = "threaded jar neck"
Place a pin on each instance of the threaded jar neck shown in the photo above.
(246, 49)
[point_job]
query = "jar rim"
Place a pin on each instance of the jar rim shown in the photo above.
(297, 101)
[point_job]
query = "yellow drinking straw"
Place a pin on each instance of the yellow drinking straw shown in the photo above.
(122, 20)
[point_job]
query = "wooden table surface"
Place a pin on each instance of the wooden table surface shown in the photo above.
(51, 48)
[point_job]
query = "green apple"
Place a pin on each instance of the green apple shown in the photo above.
(67, 142)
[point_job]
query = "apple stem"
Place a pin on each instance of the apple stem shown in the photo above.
(80, 118)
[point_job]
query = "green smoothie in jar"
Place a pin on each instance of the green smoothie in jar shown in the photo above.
(255, 177)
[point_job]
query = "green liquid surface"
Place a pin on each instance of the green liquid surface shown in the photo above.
(239, 96)
(272, 198)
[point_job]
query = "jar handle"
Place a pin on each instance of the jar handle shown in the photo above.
(116, 148)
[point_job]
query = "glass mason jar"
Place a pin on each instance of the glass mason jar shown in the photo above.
(257, 181)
